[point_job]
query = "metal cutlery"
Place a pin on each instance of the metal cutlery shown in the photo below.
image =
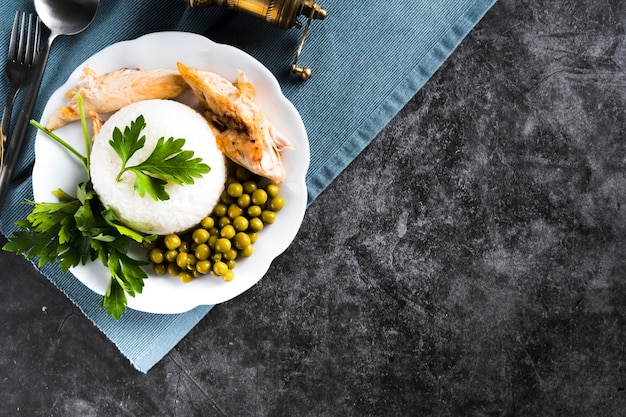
(62, 18)
(21, 61)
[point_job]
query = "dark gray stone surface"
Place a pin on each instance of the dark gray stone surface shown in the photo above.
(470, 262)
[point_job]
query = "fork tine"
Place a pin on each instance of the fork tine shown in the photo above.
(13, 42)
(36, 44)
(31, 40)
(21, 49)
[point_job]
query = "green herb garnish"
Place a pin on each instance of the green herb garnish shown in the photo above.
(77, 230)
(168, 162)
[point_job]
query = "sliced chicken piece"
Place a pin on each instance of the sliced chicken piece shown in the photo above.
(243, 132)
(111, 91)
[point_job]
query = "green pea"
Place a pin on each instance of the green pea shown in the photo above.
(229, 275)
(156, 255)
(191, 260)
(255, 224)
(220, 268)
(185, 246)
(203, 266)
(244, 201)
(249, 187)
(185, 276)
(240, 223)
(208, 222)
(203, 251)
(247, 251)
(160, 269)
(231, 264)
(222, 245)
(172, 241)
(170, 255)
(268, 216)
(228, 231)
(234, 210)
(276, 203)
(224, 221)
(242, 240)
(235, 190)
(200, 236)
(230, 255)
(173, 269)
(225, 198)
(259, 197)
(181, 260)
(272, 190)
(212, 240)
(220, 210)
(253, 236)
(254, 211)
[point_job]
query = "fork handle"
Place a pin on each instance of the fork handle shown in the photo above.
(8, 109)
(12, 152)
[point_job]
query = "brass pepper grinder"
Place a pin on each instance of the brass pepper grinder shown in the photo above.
(282, 13)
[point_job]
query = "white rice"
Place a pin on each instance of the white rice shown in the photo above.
(188, 204)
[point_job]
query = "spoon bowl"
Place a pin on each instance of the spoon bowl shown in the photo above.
(66, 17)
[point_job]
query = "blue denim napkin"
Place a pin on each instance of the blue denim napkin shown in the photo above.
(368, 60)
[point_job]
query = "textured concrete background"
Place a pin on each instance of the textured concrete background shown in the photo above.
(470, 262)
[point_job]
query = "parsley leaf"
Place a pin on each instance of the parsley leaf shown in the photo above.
(114, 300)
(126, 144)
(168, 162)
(49, 231)
(127, 278)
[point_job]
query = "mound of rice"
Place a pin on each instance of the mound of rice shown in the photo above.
(188, 204)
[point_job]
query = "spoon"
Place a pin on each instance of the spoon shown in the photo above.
(62, 17)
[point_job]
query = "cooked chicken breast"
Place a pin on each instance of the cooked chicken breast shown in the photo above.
(109, 92)
(242, 131)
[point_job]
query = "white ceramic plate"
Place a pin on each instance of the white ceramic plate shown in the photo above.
(56, 168)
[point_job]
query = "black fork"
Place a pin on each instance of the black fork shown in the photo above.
(21, 61)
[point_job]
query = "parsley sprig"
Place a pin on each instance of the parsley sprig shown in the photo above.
(77, 230)
(168, 162)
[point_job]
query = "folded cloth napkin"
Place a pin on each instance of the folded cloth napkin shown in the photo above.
(368, 60)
